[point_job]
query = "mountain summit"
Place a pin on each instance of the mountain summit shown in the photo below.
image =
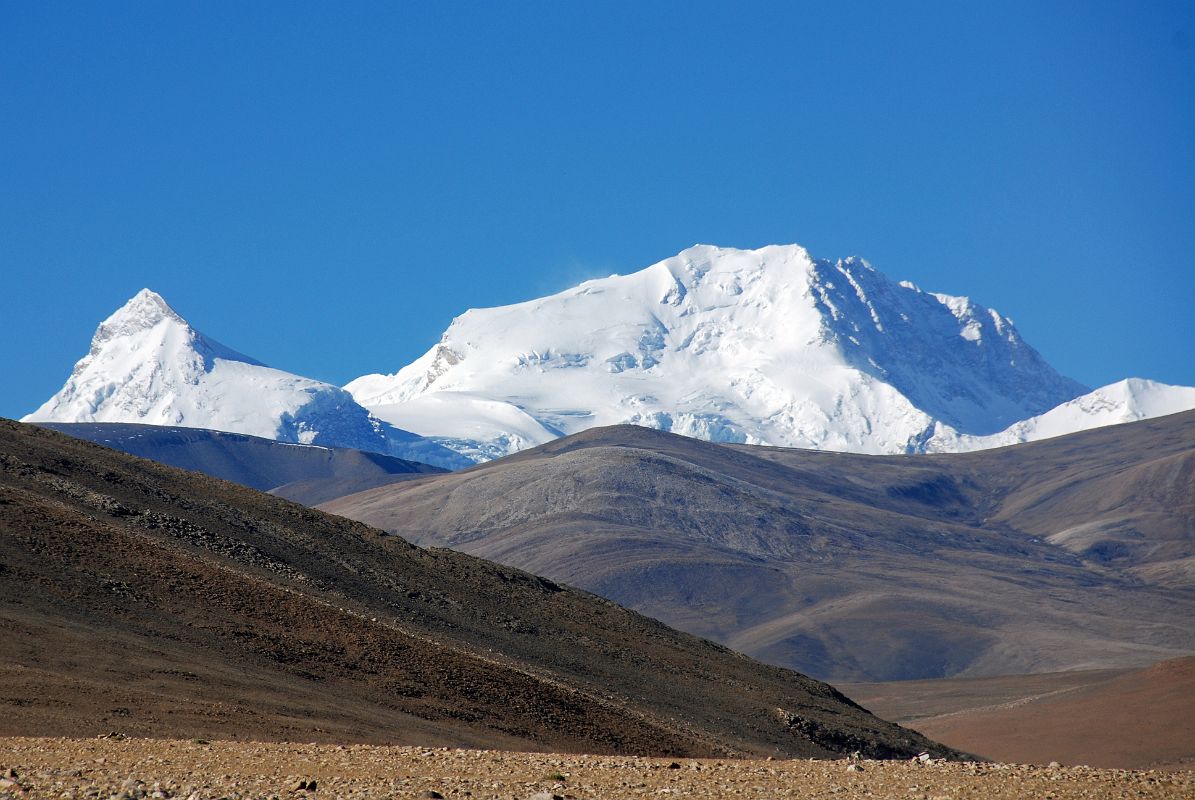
(767, 346)
(147, 364)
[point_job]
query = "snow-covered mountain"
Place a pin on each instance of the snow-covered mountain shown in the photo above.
(146, 364)
(765, 346)
(1124, 401)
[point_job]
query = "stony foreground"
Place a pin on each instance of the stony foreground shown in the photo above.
(140, 768)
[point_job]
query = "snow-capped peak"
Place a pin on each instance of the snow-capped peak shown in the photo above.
(1128, 400)
(135, 324)
(147, 364)
(143, 310)
(769, 346)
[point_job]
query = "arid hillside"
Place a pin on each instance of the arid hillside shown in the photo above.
(149, 601)
(1072, 553)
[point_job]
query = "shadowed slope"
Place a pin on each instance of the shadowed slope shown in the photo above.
(153, 601)
(304, 473)
(847, 566)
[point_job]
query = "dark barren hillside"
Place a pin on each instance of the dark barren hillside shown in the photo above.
(142, 599)
(1072, 553)
(303, 473)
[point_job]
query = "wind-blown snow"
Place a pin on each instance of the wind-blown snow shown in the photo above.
(146, 364)
(764, 346)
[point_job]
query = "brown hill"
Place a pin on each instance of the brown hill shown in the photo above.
(1065, 554)
(143, 599)
(1123, 719)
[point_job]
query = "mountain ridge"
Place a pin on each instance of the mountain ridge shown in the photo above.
(767, 346)
(147, 364)
(1053, 555)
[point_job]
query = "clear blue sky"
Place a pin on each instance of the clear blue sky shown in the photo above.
(324, 186)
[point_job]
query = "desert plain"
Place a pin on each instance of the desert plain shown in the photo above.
(154, 768)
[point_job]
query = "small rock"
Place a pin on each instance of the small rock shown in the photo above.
(1054, 765)
(924, 758)
(545, 796)
(853, 768)
(674, 765)
(432, 794)
(9, 783)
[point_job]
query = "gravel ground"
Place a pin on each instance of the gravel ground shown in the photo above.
(139, 768)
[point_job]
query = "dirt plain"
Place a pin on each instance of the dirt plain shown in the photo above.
(1128, 719)
(136, 768)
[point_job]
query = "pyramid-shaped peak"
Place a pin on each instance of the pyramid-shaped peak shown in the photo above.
(147, 317)
(143, 311)
(148, 296)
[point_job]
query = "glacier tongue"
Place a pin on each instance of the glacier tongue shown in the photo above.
(146, 364)
(765, 346)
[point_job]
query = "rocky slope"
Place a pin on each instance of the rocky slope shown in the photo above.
(152, 601)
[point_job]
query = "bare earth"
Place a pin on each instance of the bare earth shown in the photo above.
(1070, 553)
(134, 768)
(1127, 719)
